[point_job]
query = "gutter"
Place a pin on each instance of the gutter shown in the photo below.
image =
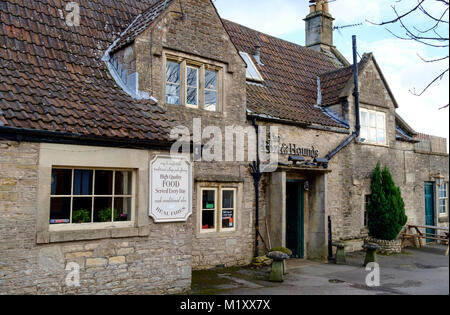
(46, 136)
(256, 174)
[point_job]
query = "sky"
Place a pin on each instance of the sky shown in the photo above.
(398, 59)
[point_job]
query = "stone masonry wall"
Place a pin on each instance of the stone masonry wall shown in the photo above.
(201, 35)
(156, 264)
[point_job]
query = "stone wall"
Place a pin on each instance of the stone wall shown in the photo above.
(200, 36)
(155, 264)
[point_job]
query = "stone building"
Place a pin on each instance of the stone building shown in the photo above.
(90, 103)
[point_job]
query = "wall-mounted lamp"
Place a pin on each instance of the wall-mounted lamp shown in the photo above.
(321, 162)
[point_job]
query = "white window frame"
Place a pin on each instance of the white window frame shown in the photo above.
(216, 207)
(58, 226)
(189, 86)
(445, 199)
(186, 61)
(366, 124)
(218, 191)
(211, 90)
(250, 63)
(234, 190)
(174, 83)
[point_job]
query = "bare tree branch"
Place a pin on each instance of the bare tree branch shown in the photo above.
(439, 77)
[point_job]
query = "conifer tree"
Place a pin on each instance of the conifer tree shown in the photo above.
(386, 208)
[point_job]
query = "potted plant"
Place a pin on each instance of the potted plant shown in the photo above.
(104, 215)
(81, 216)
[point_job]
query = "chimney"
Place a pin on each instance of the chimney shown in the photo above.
(319, 26)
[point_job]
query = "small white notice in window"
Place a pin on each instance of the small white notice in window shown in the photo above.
(170, 189)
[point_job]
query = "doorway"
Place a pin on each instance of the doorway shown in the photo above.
(430, 216)
(295, 217)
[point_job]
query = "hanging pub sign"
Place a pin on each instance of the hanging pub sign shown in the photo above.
(170, 189)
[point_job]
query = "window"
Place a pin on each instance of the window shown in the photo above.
(193, 84)
(373, 127)
(252, 73)
(173, 81)
(228, 208)
(90, 196)
(218, 209)
(210, 90)
(443, 198)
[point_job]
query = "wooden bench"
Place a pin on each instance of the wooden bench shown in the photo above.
(418, 236)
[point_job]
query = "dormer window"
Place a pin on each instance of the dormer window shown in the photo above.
(252, 73)
(193, 83)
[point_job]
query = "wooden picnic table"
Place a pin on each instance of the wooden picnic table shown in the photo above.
(419, 235)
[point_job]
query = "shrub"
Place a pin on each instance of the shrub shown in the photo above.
(386, 209)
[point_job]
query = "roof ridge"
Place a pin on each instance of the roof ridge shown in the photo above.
(276, 38)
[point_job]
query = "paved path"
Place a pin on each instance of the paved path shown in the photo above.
(416, 271)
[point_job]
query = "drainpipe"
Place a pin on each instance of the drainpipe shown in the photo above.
(357, 131)
(256, 174)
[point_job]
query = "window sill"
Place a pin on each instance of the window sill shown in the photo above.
(195, 110)
(70, 235)
(443, 218)
(374, 144)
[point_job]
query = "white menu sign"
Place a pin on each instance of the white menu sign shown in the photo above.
(170, 189)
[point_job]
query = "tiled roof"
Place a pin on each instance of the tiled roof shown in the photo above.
(290, 72)
(141, 23)
(52, 77)
(334, 82)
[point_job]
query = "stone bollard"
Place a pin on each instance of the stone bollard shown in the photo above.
(277, 270)
(340, 253)
(371, 253)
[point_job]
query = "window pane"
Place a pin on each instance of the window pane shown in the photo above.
(82, 182)
(103, 210)
(173, 94)
(373, 135)
(172, 72)
(363, 119)
(227, 219)
(123, 183)
(59, 210)
(82, 210)
(207, 219)
(372, 120)
(380, 122)
(381, 137)
(61, 182)
(210, 100)
(228, 199)
(103, 182)
(192, 77)
(364, 134)
(208, 199)
(123, 208)
(443, 191)
(210, 80)
(191, 96)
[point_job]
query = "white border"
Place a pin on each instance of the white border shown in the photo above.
(188, 162)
